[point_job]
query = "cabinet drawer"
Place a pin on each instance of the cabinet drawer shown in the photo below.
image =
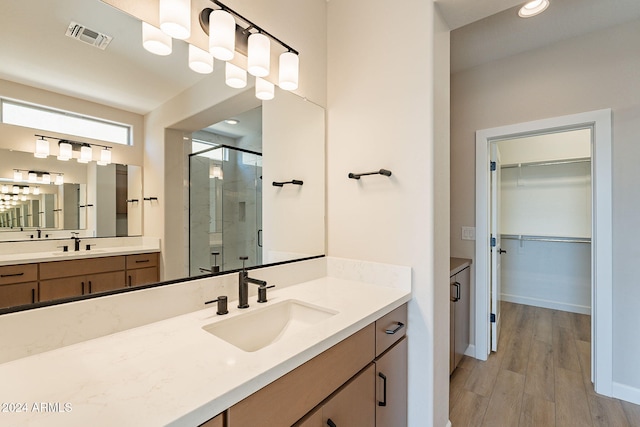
(18, 294)
(78, 267)
(390, 328)
(18, 273)
(142, 261)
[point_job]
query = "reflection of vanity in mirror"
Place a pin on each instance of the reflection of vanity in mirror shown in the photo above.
(289, 221)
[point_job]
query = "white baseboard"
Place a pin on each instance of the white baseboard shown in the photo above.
(470, 351)
(627, 393)
(555, 305)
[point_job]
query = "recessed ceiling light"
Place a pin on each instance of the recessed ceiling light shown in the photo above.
(533, 8)
(232, 121)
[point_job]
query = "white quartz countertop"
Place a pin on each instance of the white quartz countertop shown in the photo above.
(59, 255)
(173, 372)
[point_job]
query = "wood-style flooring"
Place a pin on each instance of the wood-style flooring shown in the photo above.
(540, 377)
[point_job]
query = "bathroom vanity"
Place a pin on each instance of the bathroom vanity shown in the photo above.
(460, 306)
(345, 349)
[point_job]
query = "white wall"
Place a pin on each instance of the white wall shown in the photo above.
(573, 144)
(381, 115)
(588, 73)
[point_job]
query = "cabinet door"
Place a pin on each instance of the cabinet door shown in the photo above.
(462, 315)
(217, 421)
(452, 336)
(20, 294)
(66, 287)
(103, 282)
(142, 276)
(391, 386)
(353, 405)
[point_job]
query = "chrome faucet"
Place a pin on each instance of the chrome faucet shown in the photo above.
(243, 285)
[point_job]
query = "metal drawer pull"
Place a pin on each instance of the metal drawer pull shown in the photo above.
(457, 297)
(384, 389)
(12, 275)
(82, 288)
(331, 423)
(33, 295)
(142, 260)
(393, 331)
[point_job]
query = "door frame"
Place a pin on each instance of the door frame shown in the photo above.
(601, 246)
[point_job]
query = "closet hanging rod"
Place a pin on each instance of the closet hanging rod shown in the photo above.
(378, 172)
(547, 163)
(525, 238)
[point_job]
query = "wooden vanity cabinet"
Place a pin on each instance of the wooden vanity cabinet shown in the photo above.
(217, 421)
(18, 285)
(460, 316)
(342, 384)
(142, 269)
(65, 279)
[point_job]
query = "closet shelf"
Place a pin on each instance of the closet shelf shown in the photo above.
(559, 239)
(547, 163)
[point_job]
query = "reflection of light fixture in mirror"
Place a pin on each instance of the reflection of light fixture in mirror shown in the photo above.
(533, 8)
(42, 148)
(17, 175)
(4, 188)
(25, 190)
(15, 196)
(216, 172)
(32, 177)
(258, 59)
(66, 151)
(288, 71)
(155, 41)
(46, 178)
(235, 76)
(264, 90)
(7, 197)
(14, 203)
(36, 191)
(222, 35)
(175, 18)
(23, 198)
(59, 179)
(86, 154)
(15, 190)
(232, 121)
(200, 61)
(105, 157)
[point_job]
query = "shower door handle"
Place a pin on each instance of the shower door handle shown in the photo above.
(259, 238)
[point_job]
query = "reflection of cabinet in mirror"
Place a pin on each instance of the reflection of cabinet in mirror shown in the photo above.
(18, 285)
(142, 269)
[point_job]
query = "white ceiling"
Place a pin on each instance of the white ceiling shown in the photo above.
(35, 51)
(505, 34)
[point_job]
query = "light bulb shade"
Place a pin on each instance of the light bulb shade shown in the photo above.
(288, 71)
(175, 18)
(15, 190)
(105, 157)
(533, 8)
(32, 177)
(259, 55)
(235, 76)
(200, 61)
(46, 178)
(23, 198)
(36, 191)
(42, 148)
(14, 203)
(222, 35)
(17, 175)
(4, 188)
(66, 151)
(155, 41)
(59, 179)
(264, 89)
(86, 154)
(25, 190)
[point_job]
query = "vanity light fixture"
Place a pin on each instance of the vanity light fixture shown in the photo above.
(4, 189)
(175, 18)
(264, 90)
(16, 190)
(235, 76)
(86, 154)
(36, 191)
(65, 151)
(155, 41)
(32, 177)
(105, 157)
(533, 8)
(7, 197)
(259, 55)
(288, 71)
(46, 178)
(42, 148)
(23, 198)
(17, 175)
(200, 61)
(222, 34)
(25, 190)
(14, 203)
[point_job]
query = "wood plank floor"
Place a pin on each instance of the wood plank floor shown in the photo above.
(540, 377)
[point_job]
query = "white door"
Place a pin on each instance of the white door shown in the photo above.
(496, 250)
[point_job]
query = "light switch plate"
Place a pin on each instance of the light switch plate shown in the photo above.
(468, 233)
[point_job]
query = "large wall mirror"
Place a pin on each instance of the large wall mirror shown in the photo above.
(126, 77)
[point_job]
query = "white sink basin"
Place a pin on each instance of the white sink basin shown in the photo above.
(257, 329)
(72, 252)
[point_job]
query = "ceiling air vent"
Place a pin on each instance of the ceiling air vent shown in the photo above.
(84, 34)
